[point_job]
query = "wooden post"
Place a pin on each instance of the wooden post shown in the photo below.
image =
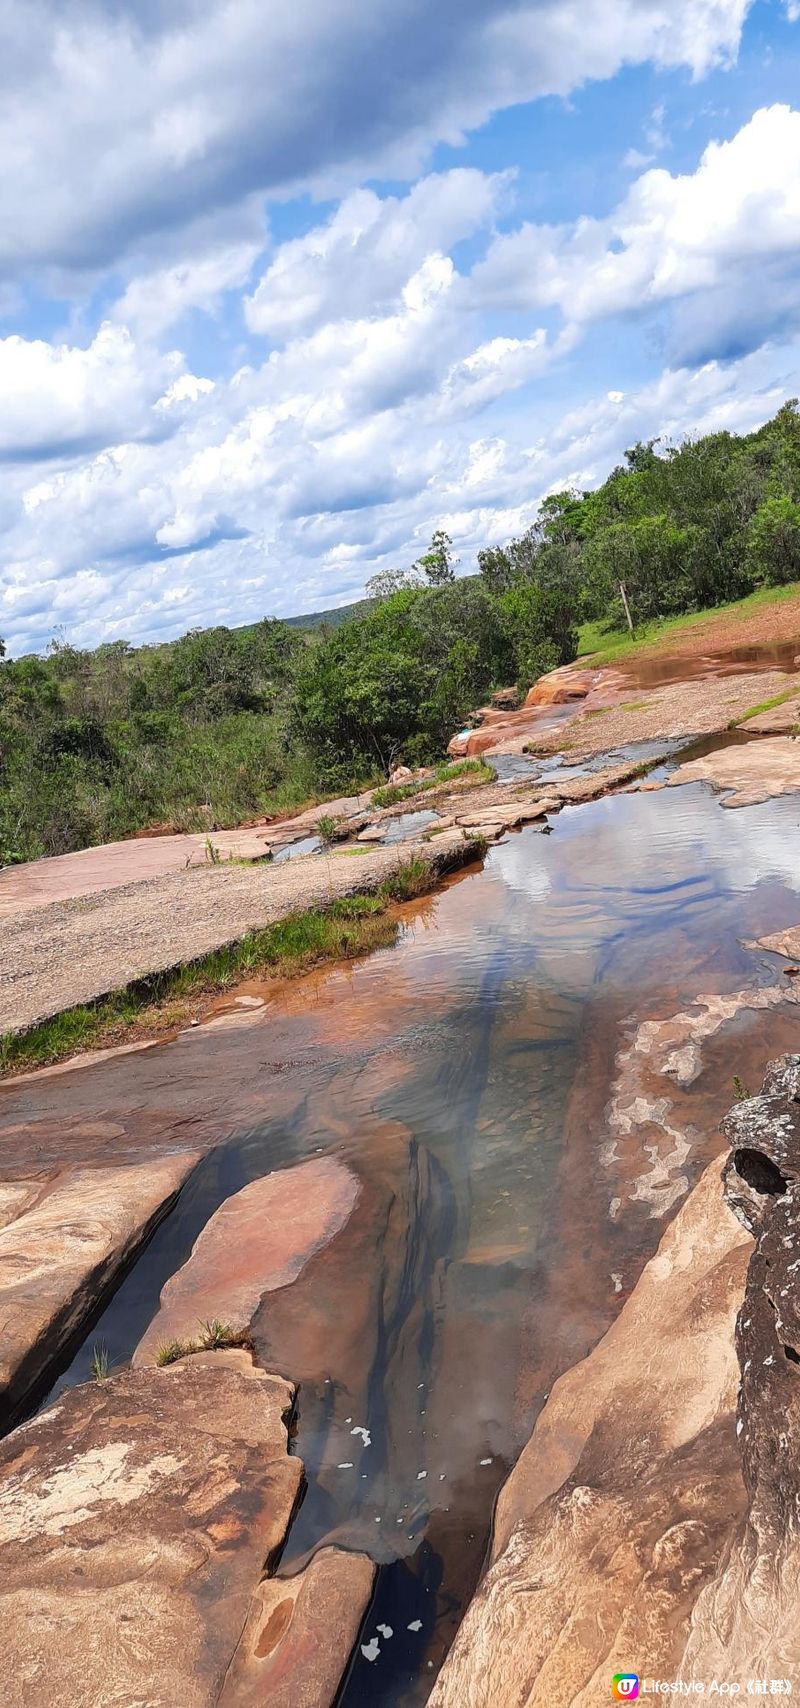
(627, 607)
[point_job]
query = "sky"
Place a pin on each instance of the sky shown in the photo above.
(283, 289)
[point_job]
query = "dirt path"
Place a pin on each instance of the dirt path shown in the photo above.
(73, 951)
(767, 625)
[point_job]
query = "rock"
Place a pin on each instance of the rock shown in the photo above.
(506, 700)
(753, 772)
(618, 1512)
(401, 774)
(373, 833)
(510, 813)
(746, 1620)
(135, 1519)
(61, 1254)
(781, 943)
(259, 1240)
(562, 685)
(488, 832)
(777, 720)
(300, 1633)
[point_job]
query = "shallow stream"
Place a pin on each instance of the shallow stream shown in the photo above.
(526, 1085)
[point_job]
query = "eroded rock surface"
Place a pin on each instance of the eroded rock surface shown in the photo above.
(67, 1238)
(617, 1513)
(652, 1520)
(747, 1619)
(755, 771)
(140, 1519)
(258, 1241)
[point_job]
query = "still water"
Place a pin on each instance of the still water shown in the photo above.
(520, 1136)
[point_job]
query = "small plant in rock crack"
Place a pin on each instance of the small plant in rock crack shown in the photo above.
(740, 1090)
(100, 1365)
(213, 855)
(214, 1334)
(327, 829)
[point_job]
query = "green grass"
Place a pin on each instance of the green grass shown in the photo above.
(100, 1365)
(476, 769)
(766, 706)
(348, 927)
(214, 1336)
(328, 828)
(609, 645)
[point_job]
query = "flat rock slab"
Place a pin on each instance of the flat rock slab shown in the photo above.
(75, 951)
(136, 1518)
(67, 1242)
(750, 773)
(259, 1240)
(785, 943)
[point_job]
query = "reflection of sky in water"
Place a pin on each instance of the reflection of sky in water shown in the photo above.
(448, 1063)
(646, 863)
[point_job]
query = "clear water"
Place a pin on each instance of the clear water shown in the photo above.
(466, 1076)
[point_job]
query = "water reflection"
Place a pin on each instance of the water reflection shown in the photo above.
(470, 1077)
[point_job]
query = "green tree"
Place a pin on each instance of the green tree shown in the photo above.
(437, 564)
(773, 541)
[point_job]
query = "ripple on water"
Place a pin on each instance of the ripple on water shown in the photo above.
(525, 1086)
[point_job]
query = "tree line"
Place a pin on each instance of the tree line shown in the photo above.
(226, 724)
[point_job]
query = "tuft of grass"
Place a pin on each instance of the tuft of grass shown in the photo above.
(328, 828)
(214, 1336)
(348, 927)
(740, 1090)
(100, 1365)
(476, 770)
(172, 1350)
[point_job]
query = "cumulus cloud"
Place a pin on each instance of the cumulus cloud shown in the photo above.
(140, 541)
(58, 398)
(159, 113)
(360, 260)
(672, 236)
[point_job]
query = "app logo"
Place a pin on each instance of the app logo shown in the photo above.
(624, 1686)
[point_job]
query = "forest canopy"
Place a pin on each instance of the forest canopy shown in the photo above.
(226, 724)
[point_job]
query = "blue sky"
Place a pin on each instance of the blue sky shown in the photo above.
(285, 289)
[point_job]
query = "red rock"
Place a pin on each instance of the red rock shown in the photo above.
(67, 1243)
(300, 1634)
(257, 1242)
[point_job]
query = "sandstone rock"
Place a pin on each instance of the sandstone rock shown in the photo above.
(63, 1251)
(373, 833)
(135, 1520)
(511, 813)
(746, 1620)
(561, 685)
(300, 1633)
(618, 1511)
(258, 1241)
(401, 774)
(753, 772)
(506, 700)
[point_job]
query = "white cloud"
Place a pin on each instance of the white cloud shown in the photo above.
(360, 260)
(161, 113)
(670, 237)
(57, 399)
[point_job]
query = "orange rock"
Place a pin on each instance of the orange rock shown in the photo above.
(258, 1241)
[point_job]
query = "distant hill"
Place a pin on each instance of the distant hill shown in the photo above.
(315, 619)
